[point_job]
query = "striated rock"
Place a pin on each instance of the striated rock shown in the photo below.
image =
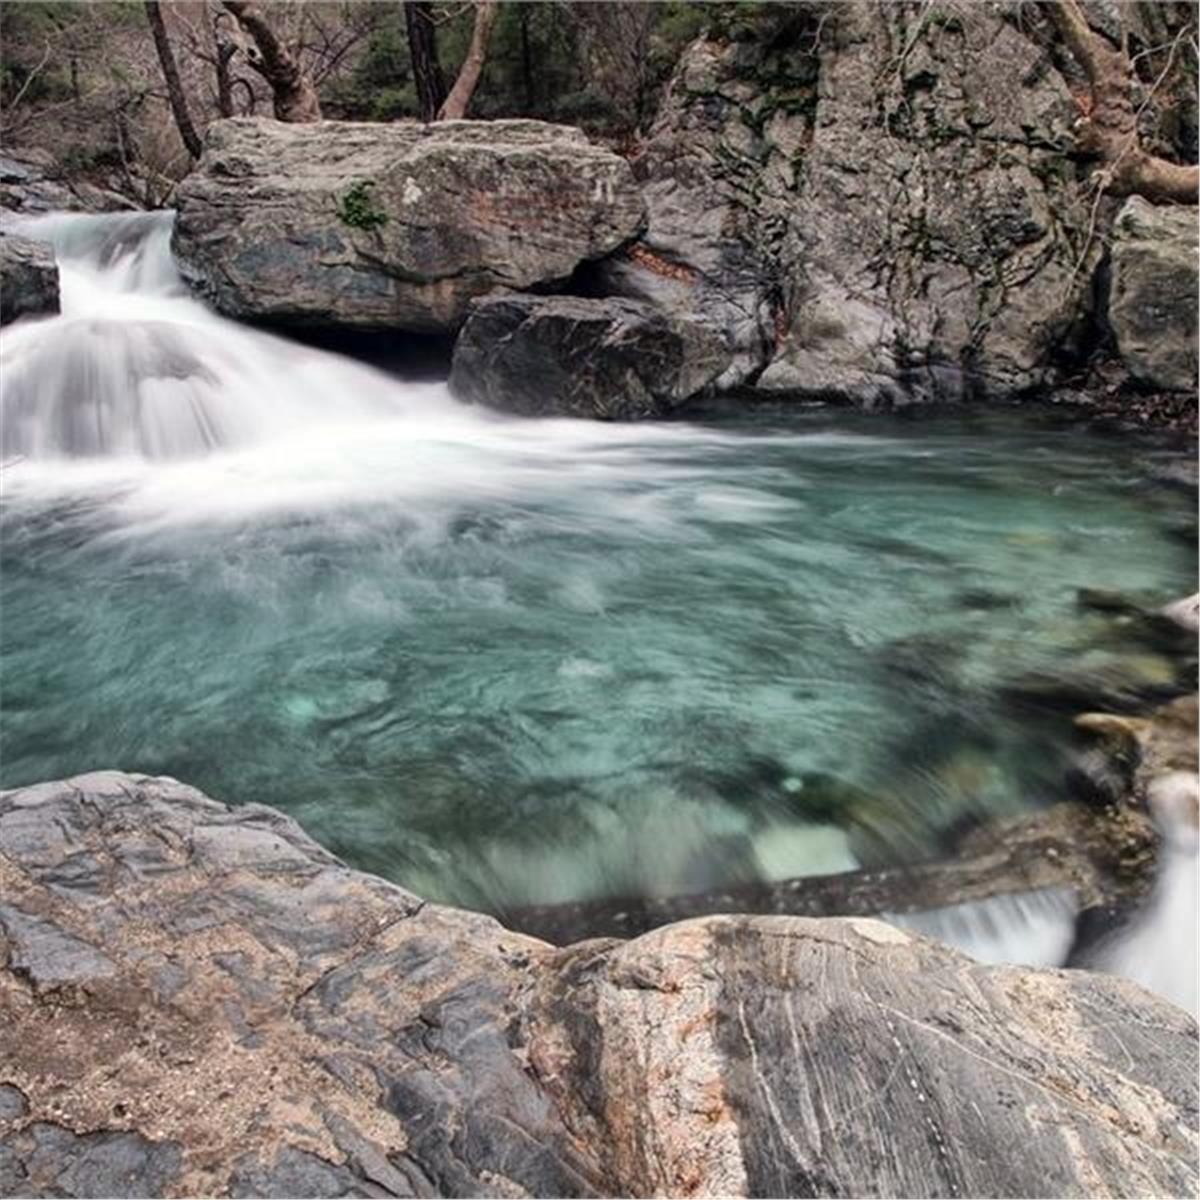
(612, 359)
(874, 200)
(199, 1000)
(394, 226)
(1155, 281)
(28, 278)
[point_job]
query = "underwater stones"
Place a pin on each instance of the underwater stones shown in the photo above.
(567, 356)
(1152, 303)
(397, 225)
(28, 278)
(277, 1024)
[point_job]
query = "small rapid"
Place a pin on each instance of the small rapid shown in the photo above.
(134, 367)
(510, 661)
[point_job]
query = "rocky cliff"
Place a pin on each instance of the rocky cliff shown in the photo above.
(199, 1000)
(882, 203)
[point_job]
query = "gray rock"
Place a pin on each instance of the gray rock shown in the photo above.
(1152, 305)
(399, 1048)
(612, 359)
(56, 1161)
(28, 278)
(394, 226)
(874, 203)
(31, 182)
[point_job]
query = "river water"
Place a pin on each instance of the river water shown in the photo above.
(505, 660)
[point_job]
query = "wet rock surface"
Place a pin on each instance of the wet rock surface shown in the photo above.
(28, 278)
(394, 226)
(612, 359)
(200, 1000)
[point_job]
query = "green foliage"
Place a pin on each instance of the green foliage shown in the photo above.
(358, 209)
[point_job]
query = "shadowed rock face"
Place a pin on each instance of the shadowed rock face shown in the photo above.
(1155, 278)
(394, 226)
(200, 1000)
(613, 359)
(28, 278)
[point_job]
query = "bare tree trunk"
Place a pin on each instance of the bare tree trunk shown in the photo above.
(226, 49)
(456, 104)
(293, 92)
(166, 59)
(1109, 129)
(526, 58)
(423, 53)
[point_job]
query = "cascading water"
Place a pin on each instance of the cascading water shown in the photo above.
(513, 661)
(134, 366)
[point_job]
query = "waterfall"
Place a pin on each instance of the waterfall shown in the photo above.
(1032, 928)
(135, 367)
(1158, 947)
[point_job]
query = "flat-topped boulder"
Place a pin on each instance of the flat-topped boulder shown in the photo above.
(610, 359)
(394, 226)
(199, 1000)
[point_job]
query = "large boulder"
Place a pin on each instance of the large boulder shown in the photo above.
(394, 226)
(28, 278)
(198, 1000)
(1152, 302)
(875, 200)
(612, 359)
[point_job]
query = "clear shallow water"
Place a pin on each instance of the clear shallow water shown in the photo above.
(505, 661)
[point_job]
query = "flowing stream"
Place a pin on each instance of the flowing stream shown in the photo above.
(509, 661)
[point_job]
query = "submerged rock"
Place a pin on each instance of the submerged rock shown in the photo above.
(28, 278)
(1155, 280)
(613, 359)
(393, 226)
(199, 1000)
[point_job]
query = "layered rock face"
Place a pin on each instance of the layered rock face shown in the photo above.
(1155, 282)
(893, 216)
(28, 278)
(199, 1000)
(394, 226)
(612, 359)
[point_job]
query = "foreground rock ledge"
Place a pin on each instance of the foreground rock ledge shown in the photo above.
(200, 1000)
